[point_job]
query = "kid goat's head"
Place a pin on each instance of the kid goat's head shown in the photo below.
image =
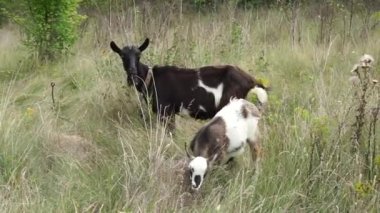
(130, 55)
(198, 167)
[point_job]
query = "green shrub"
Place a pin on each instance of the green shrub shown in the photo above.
(50, 26)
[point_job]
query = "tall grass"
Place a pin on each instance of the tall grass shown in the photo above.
(91, 151)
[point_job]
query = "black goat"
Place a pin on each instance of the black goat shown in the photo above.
(201, 92)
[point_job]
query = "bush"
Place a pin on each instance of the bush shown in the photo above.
(50, 26)
(5, 6)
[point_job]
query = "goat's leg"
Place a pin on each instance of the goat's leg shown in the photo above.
(231, 160)
(167, 117)
(171, 124)
(231, 163)
(255, 148)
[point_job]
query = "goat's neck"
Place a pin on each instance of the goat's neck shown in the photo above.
(143, 70)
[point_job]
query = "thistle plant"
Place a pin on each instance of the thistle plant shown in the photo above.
(366, 94)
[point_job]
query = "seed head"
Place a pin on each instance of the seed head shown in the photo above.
(366, 61)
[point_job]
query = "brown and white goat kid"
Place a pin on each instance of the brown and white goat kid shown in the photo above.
(223, 138)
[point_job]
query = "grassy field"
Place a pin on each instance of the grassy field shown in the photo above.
(90, 151)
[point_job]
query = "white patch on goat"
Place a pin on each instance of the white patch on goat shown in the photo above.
(202, 108)
(217, 92)
(261, 94)
(238, 128)
(184, 111)
(199, 167)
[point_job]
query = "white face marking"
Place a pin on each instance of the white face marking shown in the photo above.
(217, 92)
(238, 128)
(198, 168)
(202, 108)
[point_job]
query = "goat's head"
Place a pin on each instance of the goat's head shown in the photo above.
(198, 167)
(130, 55)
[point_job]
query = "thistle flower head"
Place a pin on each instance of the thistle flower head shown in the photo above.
(366, 61)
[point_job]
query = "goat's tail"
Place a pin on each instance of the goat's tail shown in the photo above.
(260, 90)
(261, 94)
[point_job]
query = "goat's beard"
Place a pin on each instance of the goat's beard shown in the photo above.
(134, 81)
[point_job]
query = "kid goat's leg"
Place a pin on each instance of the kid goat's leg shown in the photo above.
(255, 148)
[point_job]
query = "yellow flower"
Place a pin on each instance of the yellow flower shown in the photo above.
(264, 82)
(30, 112)
(362, 189)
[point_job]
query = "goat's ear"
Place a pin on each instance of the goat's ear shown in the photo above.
(144, 45)
(115, 48)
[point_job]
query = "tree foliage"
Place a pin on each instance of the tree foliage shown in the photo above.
(50, 27)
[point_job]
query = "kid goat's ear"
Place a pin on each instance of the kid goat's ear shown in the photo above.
(114, 47)
(144, 45)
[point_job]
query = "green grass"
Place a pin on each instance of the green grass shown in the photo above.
(91, 151)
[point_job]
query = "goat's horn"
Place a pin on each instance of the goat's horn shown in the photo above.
(187, 152)
(213, 159)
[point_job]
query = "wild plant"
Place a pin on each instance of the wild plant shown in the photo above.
(366, 105)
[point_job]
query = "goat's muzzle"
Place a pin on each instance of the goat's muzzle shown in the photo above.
(195, 187)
